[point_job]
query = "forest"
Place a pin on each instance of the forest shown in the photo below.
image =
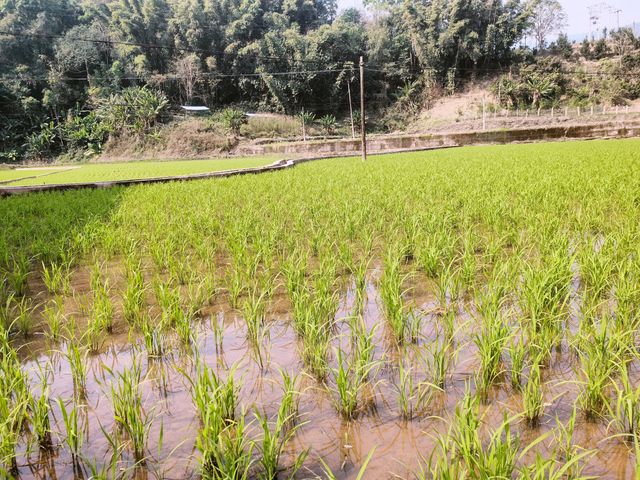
(73, 72)
(62, 61)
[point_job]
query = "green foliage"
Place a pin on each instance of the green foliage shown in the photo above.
(232, 119)
(41, 145)
(85, 133)
(135, 109)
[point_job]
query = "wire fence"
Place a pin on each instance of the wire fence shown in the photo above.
(581, 113)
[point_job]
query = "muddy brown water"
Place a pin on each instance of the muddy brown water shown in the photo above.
(400, 446)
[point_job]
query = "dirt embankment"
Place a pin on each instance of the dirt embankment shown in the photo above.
(191, 138)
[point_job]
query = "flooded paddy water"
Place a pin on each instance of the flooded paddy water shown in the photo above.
(401, 446)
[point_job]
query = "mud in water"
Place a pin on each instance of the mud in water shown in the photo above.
(402, 446)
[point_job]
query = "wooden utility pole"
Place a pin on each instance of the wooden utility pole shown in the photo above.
(304, 127)
(362, 122)
(353, 127)
(484, 114)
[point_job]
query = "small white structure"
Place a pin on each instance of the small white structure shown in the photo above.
(195, 109)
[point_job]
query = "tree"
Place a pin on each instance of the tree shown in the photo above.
(562, 46)
(461, 35)
(547, 17)
(623, 40)
(187, 70)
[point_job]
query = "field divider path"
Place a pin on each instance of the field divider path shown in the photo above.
(7, 191)
(17, 190)
(29, 177)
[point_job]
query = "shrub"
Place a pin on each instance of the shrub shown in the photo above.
(135, 109)
(41, 144)
(232, 119)
(328, 123)
(85, 133)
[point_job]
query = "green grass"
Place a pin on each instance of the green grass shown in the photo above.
(101, 172)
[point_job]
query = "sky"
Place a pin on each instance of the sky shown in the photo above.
(578, 14)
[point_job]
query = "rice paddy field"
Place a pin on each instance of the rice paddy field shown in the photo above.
(458, 314)
(101, 172)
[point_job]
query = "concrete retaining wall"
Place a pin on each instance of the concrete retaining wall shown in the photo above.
(422, 141)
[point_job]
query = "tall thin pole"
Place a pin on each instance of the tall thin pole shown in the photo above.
(484, 115)
(353, 127)
(304, 129)
(362, 122)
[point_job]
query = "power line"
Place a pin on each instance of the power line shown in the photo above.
(151, 46)
(517, 71)
(164, 77)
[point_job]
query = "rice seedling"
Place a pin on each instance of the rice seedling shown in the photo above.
(55, 319)
(133, 298)
(447, 324)
(407, 391)
(596, 267)
(14, 403)
(38, 411)
(545, 292)
(179, 267)
(570, 459)
(198, 295)
(517, 353)
(290, 403)
(438, 250)
(351, 381)
(75, 434)
(77, 359)
(208, 388)
(443, 462)
(225, 450)
(235, 286)
(153, 336)
(441, 357)
(361, 471)
(129, 412)
(446, 285)
(56, 277)
(94, 336)
(360, 283)
(552, 469)
(532, 397)
(184, 328)
(254, 312)
(391, 295)
(601, 356)
(17, 274)
(24, 318)
(625, 407)
(490, 342)
(102, 309)
(7, 311)
(11, 421)
(275, 436)
(39, 418)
